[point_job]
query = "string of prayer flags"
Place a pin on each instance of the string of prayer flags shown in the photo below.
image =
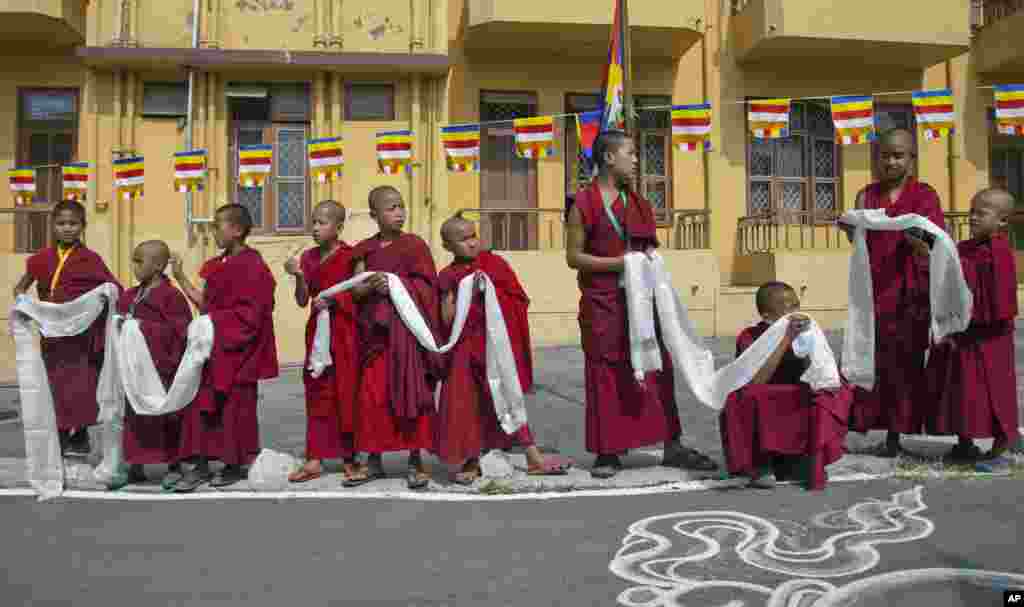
(691, 127)
(535, 137)
(394, 151)
(129, 176)
(462, 147)
(1010, 109)
(75, 180)
(854, 119)
(254, 164)
(190, 171)
(588, 125)
(23, 185)
(769, 118)
(326, 159)
(934, 113)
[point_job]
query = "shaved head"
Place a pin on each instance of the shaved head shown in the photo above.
(157, 250)
(452, 224)
(999, 199)
(896, 137)
(334, 209)
(380, 191)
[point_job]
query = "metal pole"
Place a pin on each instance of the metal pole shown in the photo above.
(627, 71)
(189, 210)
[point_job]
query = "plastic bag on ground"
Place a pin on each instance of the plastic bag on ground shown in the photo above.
(271, 469)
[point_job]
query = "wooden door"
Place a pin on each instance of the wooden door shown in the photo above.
(507, 182)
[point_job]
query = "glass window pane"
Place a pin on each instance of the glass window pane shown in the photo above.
(793, 196)
(760, 197)
(819, 120)
(291, 153)
(653, 119)
(165, 99)
(289, 102)
(760, 157)
(251, 198)
(291, 204)
(825, 197)
(370, 102)
(49, 106)
(657, 194)
(791, 156)
(824, 158)
(653, 154)
(63, 148)
(38, 149)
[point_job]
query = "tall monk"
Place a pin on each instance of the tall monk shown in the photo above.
(330, 398)
(777, 417)
(163, 315)
(63, 273)
(467, 425)
(973, 373)
(395, 402)
(899, 275)
(608, 220)
(238, 296)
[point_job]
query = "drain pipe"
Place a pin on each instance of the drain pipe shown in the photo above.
(190, 219)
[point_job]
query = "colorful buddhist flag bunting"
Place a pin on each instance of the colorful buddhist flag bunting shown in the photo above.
(462, 147)
(769, 118)
(129, 176)
(535, 137)
(23, 185)
(326, 158)
(1010, 109)
(934, 113)
(75, 180)
(254, 164)
(394, 151)
(691, 127)
(854, 118)
(190, 171)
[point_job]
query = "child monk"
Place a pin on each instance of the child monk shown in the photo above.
(973, 373)
(330, 398)
(777, 418)
(163, 315)
(63, 273)
(608, 220)
(467, 425)
(238, 296)
(899, 275)
(395, 402)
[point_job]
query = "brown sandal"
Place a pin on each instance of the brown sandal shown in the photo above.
(469, 474)
(360, 474)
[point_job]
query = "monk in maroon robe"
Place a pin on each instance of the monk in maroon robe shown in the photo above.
(972, 374)
(238, 296)
(607, 221)
(395, 402)
(899, 274)
(163, 315)
(330, 398)
(467, 425)
(63, 273)
(776, 418)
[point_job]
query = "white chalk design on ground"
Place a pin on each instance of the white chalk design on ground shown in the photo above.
(699, 558)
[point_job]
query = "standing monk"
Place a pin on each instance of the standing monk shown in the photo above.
(899, 275)
(608, 220)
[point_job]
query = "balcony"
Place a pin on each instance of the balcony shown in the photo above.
(998, 46)
(50, 23)
(581, 29)
(868, 34)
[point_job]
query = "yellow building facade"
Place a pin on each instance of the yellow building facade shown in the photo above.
(97, 80)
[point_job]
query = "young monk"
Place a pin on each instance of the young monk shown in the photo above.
(899, 274)
(63, 273)
(395, 402)
(330, 398)
(608, 220)
(467, 425)
(973, 373)
(163, 315)
(238, 296)
(776, 417)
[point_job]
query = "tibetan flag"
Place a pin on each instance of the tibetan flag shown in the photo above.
(691, 127)
(254, 164)
(394, 151)
(854, 119)
(129, 176)
(588, 125)
(769, 118)
(326, 157)
(23, 185)
(1010, 109)
(934, 113)
(190, 171)
(535, 137)
(462, 147)
(75, 180)
(613, 114)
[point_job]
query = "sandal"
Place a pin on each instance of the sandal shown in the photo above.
(554, 465)
(191, 480)
(356, 475)
(685, 457)
(304, 474)
(417, 479)
(606, 466)
(468, 475)
(966, 454)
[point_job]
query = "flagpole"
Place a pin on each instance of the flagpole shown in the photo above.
(627, 69)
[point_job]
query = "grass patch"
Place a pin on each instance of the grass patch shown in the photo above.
(919, 467)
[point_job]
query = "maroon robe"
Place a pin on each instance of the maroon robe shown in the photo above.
(783, 417)
(898, 402)
(466, 422)
(72, 363)
(238, 297)
(163, 315)
(619, 414)
(974, 384)
(395, 402)
(330, 398)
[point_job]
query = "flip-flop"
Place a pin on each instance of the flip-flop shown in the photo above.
(417, 480)
(465, 478)
(554, 465)
(361, 477)
(302, 476)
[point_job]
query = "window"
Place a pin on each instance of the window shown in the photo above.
(888, 117)
(1006, 170)
(370, 102)
(577, 173)
(796, 175)
(165, 99)
(47, 136)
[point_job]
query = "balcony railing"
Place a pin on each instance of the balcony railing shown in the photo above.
(689, 230)
(985, 12)
(27, 229)
(739, 5)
